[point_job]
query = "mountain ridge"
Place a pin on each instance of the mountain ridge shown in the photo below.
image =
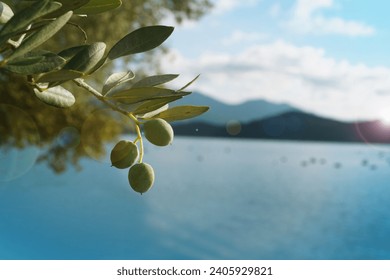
(300, 126)
(220, 113)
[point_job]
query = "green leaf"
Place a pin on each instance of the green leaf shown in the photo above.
(190, 83)
(155, 80)
(154, 112)
(115, 80)
(23, 18)
(59, 76)
(182, 113)
(69, 53)
(41, 36)
(5, 13)
(56, 96)
(135, 95)
(25, 61)
(140, 40)
(86, 59)
(35, 64)
(68, 5)
(98, 6)
(152, 105)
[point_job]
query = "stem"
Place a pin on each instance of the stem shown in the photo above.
(81, 83)
(141, 144)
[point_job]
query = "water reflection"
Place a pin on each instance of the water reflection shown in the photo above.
(238, 207)
(15, 158)
(245, 204)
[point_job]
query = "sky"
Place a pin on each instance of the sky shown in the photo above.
(328, 57)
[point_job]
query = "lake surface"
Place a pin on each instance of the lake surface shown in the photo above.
(212, 199)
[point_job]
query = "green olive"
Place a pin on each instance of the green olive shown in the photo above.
(158, 132)
(124, 154)
(141, 177)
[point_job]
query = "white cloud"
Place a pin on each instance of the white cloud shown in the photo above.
(239, 37)
(223, 6)
(305, 8)
(303, 76)
(307, 18)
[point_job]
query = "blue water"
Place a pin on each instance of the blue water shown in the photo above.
(212, 199)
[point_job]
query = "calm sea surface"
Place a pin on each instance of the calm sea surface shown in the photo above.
(212, 199)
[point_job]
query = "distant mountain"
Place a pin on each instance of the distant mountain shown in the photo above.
(221, 113)
(293, 126)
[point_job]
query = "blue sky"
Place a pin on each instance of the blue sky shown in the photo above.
(330, 57)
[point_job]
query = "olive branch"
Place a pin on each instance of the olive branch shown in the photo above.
(144, 102)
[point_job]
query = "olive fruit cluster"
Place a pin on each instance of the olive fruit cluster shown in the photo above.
(125, 154)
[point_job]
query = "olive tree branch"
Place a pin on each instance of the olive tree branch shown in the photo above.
(81, 83)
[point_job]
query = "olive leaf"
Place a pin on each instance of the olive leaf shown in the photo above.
(25, 17)
(152, 105)
(98, 6)
(182, 113)
(116, 79)
(56, 96)
(190, 83)
(5, 13)
(67, 5)
(35, 64)
(135, 95)
(69, 53)
(59, 76)
(41, 36)
(140, 40)
(87, 58)
(155, 80)
(154, 112)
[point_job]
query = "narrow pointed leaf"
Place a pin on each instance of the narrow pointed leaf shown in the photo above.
(154, 112)
(115, 80)
(67, 5)
(25, 17)
(5, 13)
(56, 96)
(25, 61)
(59, 76)
(69, 53)
(182, 113)
(35, 64)
(140, 40)
(151, 105)
(136, 95)
(98, 6)
(41, 36)
(155, 80)
(190, 83)
(85, 60)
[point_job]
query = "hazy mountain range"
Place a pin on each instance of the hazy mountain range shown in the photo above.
(266, 120)
(220, 113)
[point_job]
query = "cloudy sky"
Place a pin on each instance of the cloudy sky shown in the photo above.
(330, 57)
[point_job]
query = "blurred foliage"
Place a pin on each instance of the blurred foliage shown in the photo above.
(83, 136)
(60, 145)
(110, 26)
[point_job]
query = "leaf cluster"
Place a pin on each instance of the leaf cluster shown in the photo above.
(25, 30)
(33, 25)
